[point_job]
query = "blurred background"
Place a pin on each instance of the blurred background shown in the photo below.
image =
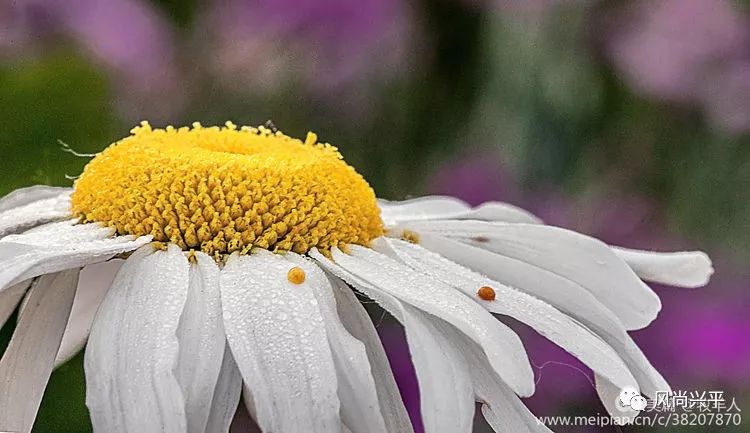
(626, 120)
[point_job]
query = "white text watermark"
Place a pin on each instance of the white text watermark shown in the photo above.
(676, 408)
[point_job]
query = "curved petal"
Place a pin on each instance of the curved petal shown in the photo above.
(446, 395)
(58, 246)
(226, 395)
(502, 409)
(93, 284)
(445, 386)
(610, 396)
(360, 408)
(443, 207)
(559, 292)
(29, 359)
(452, 370)
(545, 319)
(30, 194)
(587, 261)
(421, 208)
(29, 207)
(512, 417)
(358, 323)
(278, 339)
(500, 343)
(201, 340)
(681, 269)
(498, 211)
(133, 348)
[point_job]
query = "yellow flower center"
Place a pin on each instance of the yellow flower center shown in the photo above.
(225, 189)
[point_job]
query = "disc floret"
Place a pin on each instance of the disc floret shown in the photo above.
(227, 189)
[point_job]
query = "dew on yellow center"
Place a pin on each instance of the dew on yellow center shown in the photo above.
(224, 189)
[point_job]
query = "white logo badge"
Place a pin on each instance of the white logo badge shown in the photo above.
(630, 399)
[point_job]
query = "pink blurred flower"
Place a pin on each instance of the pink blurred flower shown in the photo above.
(686, 51)
(394, 343)
(475, 179)
(128, 37)
(324, 46)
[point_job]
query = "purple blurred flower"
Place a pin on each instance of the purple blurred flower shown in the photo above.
(394, 342)
(664, 47)
(476, 179)
(701, 338)
(484, 177)
(628, 220)
(687, 51)
(324, 45)
(129, 37)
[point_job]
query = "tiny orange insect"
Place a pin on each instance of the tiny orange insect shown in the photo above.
(487, 293)
(296, 275)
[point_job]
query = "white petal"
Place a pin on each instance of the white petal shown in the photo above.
(278, 339)
(448, 367)
(226, 395)
(445, 386)
(133, 348)
(201, 340)
(682, 269)
(30, 194)
(358, 323)
(27, 207)
(497, 398)
(545, 319)
(10, 298)
(500, 343)
(512, 417)
(421, 208)
(248, 403)
(579, 258)
(360, 409)
(58, 246)
(244, 419)
(446, 395)
(498, 211)
(29, 359)
(561, 293)
(442, 207)
(93, 284)
(610, 396)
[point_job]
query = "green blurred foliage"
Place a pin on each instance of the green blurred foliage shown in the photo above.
(63, 407)
(58, 97)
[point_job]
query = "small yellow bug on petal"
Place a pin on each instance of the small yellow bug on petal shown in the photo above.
(296, 275)
(486, 293)
(410, 236)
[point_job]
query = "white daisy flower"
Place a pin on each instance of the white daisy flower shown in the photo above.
(197, 262)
